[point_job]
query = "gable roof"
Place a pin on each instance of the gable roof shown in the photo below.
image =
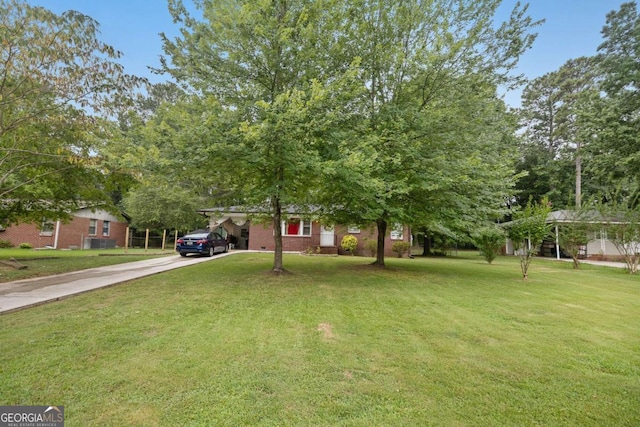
(259, 210)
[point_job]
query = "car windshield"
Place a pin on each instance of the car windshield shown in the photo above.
(196, 236)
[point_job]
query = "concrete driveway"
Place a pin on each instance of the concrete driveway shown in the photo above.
(29, 292)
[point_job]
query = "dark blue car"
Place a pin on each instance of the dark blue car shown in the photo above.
(201, 242)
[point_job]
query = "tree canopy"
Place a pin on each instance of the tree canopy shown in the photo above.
(615, 121)
(582, 121)
(160, 148)
(55, 76)
(379, 112)
(554, 139)
(432, 139)
(264, 62)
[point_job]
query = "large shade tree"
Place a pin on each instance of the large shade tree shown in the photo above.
(431, 132)
(56, 77)
(269, 64)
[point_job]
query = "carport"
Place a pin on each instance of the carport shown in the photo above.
(234, 226)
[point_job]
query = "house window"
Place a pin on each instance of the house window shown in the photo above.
(46, 228)
(297, 227)
(397, 232)
(352, 229)
(93, 227)
(106, 228)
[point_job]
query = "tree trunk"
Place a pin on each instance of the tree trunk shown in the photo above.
(576, 262)
(382, 232)
(278, 266)
(524, 265)
(426, 251)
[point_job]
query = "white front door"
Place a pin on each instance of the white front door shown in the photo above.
(326, 235)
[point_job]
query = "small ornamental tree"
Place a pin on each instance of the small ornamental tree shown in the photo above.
(573, 234)
(489, 241)
(626, 239)
(527, 231)
(571, 238)
(622, 225)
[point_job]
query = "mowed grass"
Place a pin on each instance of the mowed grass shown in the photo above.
(443, 342)
(47, 262)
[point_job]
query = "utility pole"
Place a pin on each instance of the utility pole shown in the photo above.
(578, 176)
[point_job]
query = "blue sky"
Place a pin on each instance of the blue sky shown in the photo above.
(572, 29)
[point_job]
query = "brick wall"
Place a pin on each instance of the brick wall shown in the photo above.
(371, 233)
(261, 237)
(71, 234)
(119, 233)
(26, 233)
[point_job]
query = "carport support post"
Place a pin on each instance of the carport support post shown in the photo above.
(146, 241)
(557, 244)
(55, 239)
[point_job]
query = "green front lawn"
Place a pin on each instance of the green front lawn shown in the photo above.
(47, 262)
(443, 342)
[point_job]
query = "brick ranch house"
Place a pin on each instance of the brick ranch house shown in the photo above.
(88, 229)
(300, 232)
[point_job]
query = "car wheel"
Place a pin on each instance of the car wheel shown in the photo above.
(211, 252)
(226, 248)
(183, 254)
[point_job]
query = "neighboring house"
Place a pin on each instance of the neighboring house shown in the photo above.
(299, 232)
(87, 229)
(598, 246)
